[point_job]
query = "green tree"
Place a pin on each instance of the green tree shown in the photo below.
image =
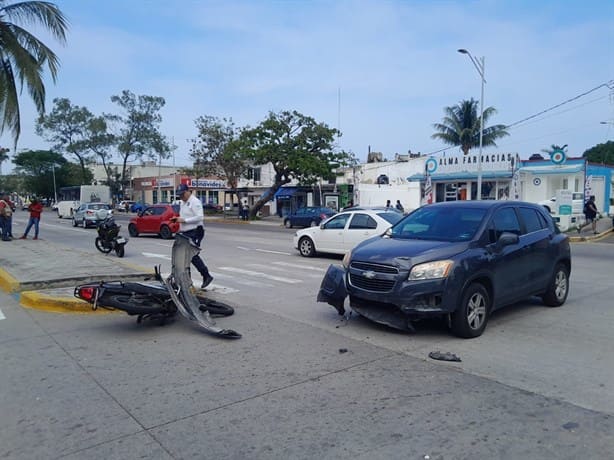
(4, 156)
(461, 126)
(296, 145)
(138, 129)
(23, 57)
(99, 140)
(37, 169)
(217, 150)
(601, 153)
(66, 127)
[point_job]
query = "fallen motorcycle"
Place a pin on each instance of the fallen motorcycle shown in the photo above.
(108, 238)
(163, 300)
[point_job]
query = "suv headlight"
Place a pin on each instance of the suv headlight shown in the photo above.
(431, 270)
(346, 259)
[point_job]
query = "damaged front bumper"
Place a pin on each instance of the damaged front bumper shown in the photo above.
(425, 299)
(332, 289)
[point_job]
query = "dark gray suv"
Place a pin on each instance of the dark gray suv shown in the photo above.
(460, 259)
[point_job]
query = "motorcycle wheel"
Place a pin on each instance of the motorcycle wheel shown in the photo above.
(214, 307)
(101, 247)
(119, 250)
(138, 304)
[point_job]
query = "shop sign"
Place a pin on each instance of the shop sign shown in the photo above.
(165, 182)
(563, 201)
(207, 183)
(469, 163)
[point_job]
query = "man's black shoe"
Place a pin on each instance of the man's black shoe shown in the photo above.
(206, 281)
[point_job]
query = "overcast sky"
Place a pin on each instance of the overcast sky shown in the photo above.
(380, 71)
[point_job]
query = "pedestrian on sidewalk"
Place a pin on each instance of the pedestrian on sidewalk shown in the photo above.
(590, 213)
(6, 218)
(35, 208)
(191, 223)
(399, 206)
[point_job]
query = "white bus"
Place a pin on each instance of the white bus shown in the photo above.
(72, 197)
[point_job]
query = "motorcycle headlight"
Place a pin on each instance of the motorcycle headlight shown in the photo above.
(431, 270)
(346, 259)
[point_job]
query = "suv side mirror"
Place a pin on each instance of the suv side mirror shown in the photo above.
(506, 239)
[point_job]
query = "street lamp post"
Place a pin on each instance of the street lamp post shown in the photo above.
(479, 65)
(55, 192)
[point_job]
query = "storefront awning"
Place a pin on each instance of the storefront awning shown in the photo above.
(285, 193)
(549, 169)
(465, 176)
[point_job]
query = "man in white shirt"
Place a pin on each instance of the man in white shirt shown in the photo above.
(191, 219)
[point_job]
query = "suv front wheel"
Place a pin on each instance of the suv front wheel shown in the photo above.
(556, 295)
(470, 318)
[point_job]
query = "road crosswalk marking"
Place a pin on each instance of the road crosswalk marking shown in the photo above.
(2, 315)
(260, 275)
(300, 266)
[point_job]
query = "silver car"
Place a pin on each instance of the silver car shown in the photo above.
(90, 214)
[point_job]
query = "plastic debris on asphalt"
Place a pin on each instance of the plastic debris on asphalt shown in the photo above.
(447, 356)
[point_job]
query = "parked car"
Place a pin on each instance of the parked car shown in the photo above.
(343, 231)
(309, 216)
(124, 206)
(577, 203)
(462, 260)
(212, 207)
(87, 214)
(378, 208)
(138, 206)
(155, 219)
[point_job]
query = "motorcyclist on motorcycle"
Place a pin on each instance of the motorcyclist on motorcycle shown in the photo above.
(191, 219)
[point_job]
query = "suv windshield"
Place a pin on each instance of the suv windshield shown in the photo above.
(440, 224)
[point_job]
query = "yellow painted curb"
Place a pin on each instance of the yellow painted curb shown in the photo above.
(7, 282)
(38, 301)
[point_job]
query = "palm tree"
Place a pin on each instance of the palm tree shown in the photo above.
(23, 57)
(461, 126)
(4, 155)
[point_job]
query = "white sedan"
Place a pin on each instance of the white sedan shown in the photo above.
(343, 231)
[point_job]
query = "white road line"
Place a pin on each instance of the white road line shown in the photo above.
(222, 288)
(159, 256)
(301, 267)
(243, 248)
(2, 315)
(273, 252)
(281, 269)
(261, 275)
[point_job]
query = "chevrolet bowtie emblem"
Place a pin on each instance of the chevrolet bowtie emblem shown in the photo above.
(369, 274)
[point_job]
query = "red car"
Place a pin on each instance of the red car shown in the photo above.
(155, 219)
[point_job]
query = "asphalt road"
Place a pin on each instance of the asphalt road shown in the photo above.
(558, 358)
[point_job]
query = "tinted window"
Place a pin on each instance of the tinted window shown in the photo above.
(337, 222)
(362, 221)
(391, 217)
(440, 223)
(504, 220)
(531, 219)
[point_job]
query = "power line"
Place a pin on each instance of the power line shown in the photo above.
(609, 85)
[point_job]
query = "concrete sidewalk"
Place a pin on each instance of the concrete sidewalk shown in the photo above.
(42, 274)
(604, 226)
